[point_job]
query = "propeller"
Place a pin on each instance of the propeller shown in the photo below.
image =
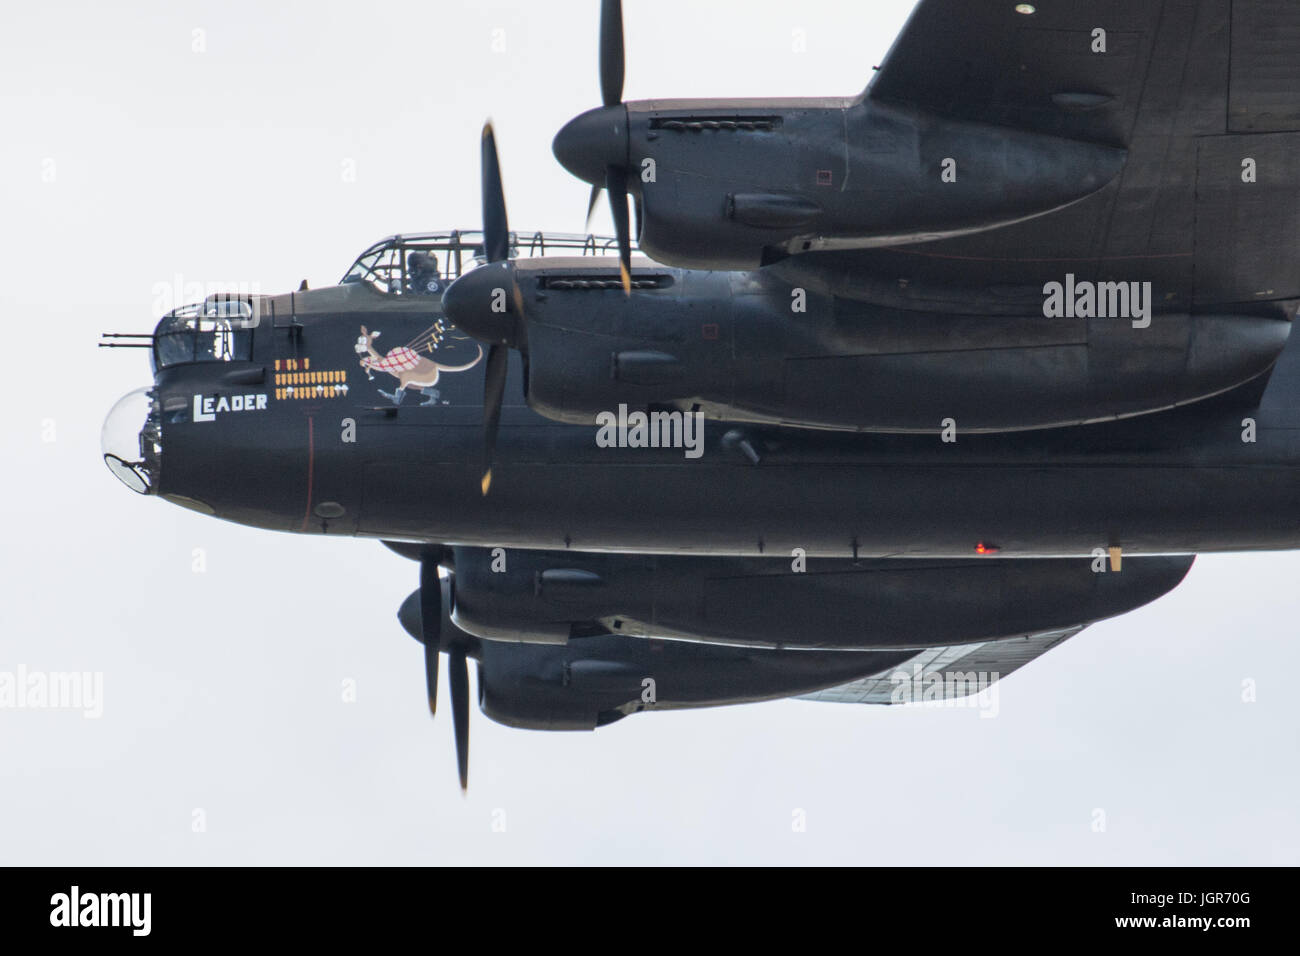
(430, 623)
(611, 52)
(474, 301)
(594, 145)
(488, 302)
(616, 187)
(496, 227)
(458, 671)
(458, 679)
(494, 390)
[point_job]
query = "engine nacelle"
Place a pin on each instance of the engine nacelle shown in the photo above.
(601, 679)
(531, 688)
(832, 624)
(598, 680)
(546, 597)
(750, 347)
(736, 185)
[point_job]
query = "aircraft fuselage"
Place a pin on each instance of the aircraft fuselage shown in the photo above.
(1217, 476)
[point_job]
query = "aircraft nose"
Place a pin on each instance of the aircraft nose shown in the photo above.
(483, 303)
(590, 143)
(131, 441)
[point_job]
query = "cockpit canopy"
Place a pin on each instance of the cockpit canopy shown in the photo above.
(218, 329)
(426, 263)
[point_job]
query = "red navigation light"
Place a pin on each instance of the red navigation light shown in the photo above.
(983, 548)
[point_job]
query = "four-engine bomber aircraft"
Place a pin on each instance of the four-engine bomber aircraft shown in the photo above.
(913, 387)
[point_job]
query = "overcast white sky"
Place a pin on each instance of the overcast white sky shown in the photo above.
(131, 162)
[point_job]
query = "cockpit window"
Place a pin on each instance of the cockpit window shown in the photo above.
(398, 267)
(217, 330)
(426, 264)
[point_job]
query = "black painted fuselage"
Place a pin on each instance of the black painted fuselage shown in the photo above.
(325, 460)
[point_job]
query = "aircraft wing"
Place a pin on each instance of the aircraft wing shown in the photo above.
(964, 670)
(1049, 71)
(1187, 87)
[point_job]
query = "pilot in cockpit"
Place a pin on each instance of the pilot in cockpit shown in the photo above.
(424, 275)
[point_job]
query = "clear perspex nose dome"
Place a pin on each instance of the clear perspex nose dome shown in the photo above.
(129, 450)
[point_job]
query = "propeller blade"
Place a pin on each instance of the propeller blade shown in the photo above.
(458, 679)
(639, 208)
(517, 300)
(430, 623)
(611, 52)
(496, 230)
(592, 203)
(616, 184)
(494, 391)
